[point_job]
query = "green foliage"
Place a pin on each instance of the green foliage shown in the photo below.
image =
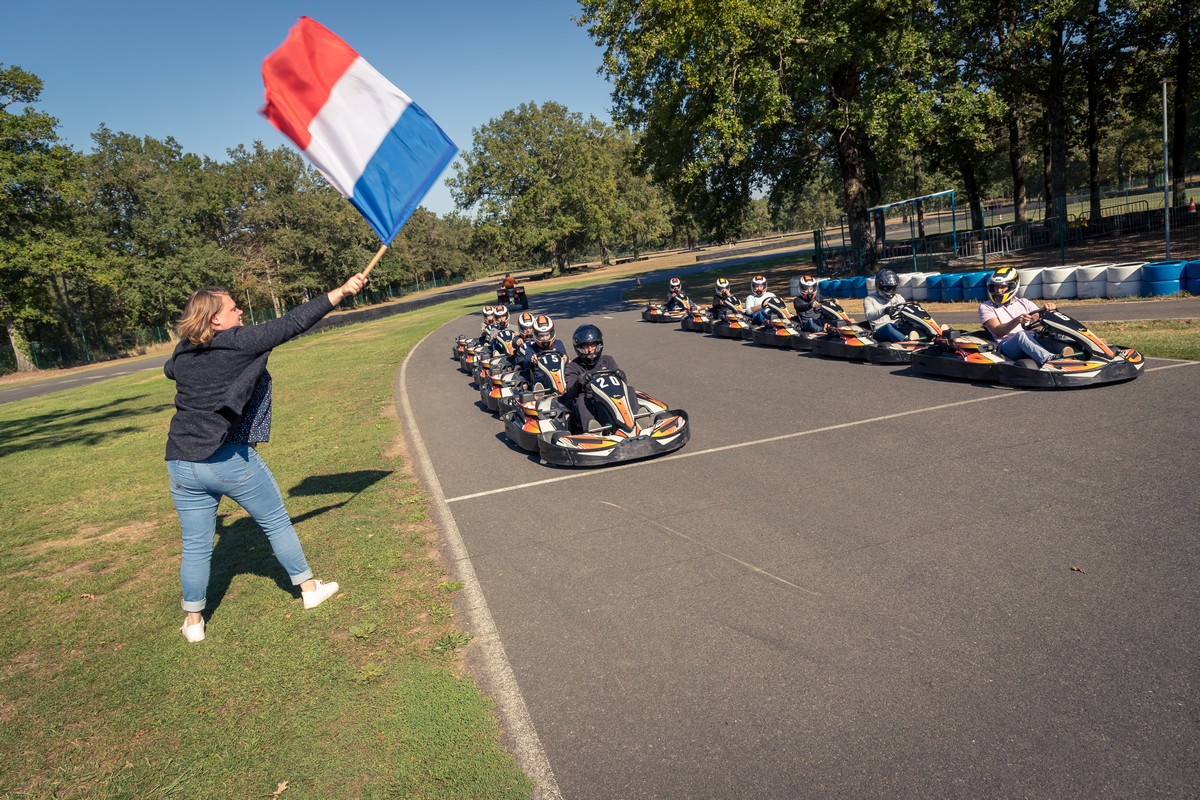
(545, 184)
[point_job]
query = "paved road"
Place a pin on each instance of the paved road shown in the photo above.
(853, 582)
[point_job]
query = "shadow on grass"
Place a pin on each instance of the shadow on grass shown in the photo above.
(243, 549)
(73, 426)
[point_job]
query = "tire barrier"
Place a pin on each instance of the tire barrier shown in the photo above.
(1191, 277)
(1058, 283)
(1124, 280)
(1031, 283)
(975, 286)
(952, 288)
(1091, 281)
(1163, 278)
(1129, 279)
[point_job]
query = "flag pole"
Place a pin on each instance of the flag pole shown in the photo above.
(375, 260)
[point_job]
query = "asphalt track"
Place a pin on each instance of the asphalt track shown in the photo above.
(853, 582)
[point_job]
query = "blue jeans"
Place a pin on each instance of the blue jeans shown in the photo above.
(238, 472)
(888, 332)
(1023, 344)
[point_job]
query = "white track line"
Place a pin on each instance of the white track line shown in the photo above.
(527, 747)
(739, 445)
(710, 548)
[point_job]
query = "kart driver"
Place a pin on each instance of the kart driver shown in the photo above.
(543, 337)
(724, 303)
(1006, 316)
(498, 348)
(589, 359)
(808, 306)
(524, 340)
(489, 323)
(758, 296)
(676, 299)
(879, 307)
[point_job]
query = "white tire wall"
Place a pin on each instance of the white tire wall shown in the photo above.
(917, 289)
(1124, 280)
(1031, 283)
(1058, 283)
(1091, 281)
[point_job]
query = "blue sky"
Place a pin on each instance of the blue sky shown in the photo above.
(193, 70)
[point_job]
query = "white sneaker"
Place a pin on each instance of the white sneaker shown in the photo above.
(193, 633)
(319, 595)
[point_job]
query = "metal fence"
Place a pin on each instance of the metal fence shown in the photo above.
(74, 351)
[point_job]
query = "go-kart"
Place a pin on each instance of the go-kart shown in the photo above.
(495, 355)
(656, 312)
(696, 320)
(778, 329)
(512, 296)
(731, 322)
(629, 425)
(473, 350)
(459, 348)
(549, 376)
(913, 321)
(843, 338)
(975, 357)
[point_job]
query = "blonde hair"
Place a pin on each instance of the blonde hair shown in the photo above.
(196, 323)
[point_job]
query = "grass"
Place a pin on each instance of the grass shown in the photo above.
(365, 697)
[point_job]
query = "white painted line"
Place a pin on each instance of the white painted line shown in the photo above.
(1178, 363)
(739, 445)
(710, 548)
(527, 747)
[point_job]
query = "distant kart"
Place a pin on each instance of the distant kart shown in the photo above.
(512, 296)
(731, 324)
(696, 320)
(843, 338)
(629, 425)
(974, 357)
(779, 328)
(920, 328)
(655, 312)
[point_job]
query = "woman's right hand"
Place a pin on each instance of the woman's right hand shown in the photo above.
(348, 289)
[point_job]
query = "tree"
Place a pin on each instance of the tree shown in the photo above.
(539, 180)
(737, 98)
(39, 197)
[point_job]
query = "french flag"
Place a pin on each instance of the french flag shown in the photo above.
(368, 138)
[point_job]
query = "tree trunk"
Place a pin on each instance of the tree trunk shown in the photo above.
(1049, 210)
(1092, 69)
(1183, 70)
(1016, 164)
(1058, 115)
(920, 205)
(844, 88)
(974, 200)
(18, 344)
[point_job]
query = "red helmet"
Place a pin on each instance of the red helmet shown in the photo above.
(676, 285)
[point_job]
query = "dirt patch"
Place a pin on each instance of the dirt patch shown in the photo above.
(90, 536)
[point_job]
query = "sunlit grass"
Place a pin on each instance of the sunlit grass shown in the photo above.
(363, 697)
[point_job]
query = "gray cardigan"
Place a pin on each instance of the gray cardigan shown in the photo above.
(214, 382)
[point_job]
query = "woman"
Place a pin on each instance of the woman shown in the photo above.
(222, 409)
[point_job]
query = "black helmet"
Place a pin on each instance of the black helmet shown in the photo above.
(588, 334)
(886, 282)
